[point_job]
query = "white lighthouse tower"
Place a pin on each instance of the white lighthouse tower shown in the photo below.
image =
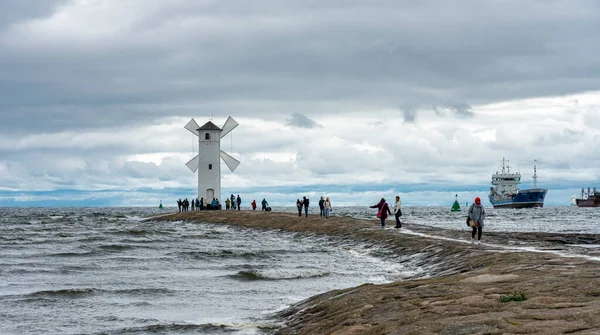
(207, 161)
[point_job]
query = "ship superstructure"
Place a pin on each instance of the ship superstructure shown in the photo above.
(505, 192)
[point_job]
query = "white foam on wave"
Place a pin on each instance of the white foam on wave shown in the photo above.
(134, 218)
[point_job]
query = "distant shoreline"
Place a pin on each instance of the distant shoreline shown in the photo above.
(562, 294)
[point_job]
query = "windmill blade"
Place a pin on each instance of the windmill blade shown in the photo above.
(194, 163)
(193, 127)
(231, 162)
(229, 125)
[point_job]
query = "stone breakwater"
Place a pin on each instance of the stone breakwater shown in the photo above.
(467, 287)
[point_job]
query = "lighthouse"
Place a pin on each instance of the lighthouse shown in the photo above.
(208, 160)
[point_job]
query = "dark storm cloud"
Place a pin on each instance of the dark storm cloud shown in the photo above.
(178, 58)
(410, 115)
(302, 121)
(13, 11)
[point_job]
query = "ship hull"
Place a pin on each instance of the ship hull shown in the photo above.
(588, 202)
(523, 199)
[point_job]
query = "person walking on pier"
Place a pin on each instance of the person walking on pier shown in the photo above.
(398, 212)
(383, 211)
(477, 214)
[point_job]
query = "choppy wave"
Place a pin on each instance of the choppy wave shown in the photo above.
(145, 292)
(134, 232)
(71, 254)
(63, 293)
(117, 247)
(216, 254)
(250, 275)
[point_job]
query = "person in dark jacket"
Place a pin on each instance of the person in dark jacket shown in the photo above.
(264, 204)
(239, 202)
(477, 214)
(383, 211)
(299, 206)
(322, 206)
(305, 202)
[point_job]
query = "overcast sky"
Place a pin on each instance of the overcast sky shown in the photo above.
(354, 101)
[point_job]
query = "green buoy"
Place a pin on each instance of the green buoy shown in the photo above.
(455, 205)
(160, 206)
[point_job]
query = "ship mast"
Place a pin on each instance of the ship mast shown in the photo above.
(534, 174)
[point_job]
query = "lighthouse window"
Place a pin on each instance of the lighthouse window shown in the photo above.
(210, 166)
(207, 136)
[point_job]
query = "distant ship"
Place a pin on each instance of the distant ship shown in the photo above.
(506, 194)
(589, 199)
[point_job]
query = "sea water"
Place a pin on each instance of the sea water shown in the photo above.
(108, 271)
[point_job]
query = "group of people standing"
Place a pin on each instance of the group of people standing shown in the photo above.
(197, 204)
(475, 215)
(324, 206)
(233, 203)
(384, 209)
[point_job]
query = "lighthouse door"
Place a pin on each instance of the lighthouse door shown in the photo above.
(210, 194)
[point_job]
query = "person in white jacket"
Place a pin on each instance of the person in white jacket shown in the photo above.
(327, 207)
(398, 212)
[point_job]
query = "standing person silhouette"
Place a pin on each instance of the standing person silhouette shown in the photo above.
(299, 206)
(264, 204)
(327, 207)
(322, 206)
(477, 214)
(239, 202)
(253, 204)
(398, 212)
(305, 202)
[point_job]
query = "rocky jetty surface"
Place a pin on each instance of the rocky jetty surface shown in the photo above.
(513, 283)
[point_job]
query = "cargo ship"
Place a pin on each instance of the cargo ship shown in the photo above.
(505, 193)
(589, 199)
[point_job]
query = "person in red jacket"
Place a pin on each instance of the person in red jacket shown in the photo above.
(253, 205)
(384, 211)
